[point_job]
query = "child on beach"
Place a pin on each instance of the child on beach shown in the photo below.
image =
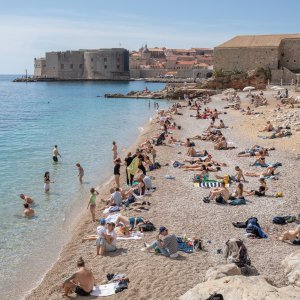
(80, 172)
(92, 202)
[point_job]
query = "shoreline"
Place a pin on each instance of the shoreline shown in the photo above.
(179, 207)
(83, 216)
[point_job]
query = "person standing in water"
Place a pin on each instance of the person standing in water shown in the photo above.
(55, 154)
(26, 199)
(80, 172)
(114, 149)
(47, 182)
(92, 203)
(28, 212)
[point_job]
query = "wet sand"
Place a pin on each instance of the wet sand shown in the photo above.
(178, 205)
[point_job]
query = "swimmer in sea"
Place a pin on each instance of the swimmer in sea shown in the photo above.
(80, 172)
(55, 154)
(28, 212)
(26, 199)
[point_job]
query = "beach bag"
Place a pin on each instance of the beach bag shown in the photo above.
(279, 220)
(238, 201)
(290, 219)
(147, 226)
(236, 252)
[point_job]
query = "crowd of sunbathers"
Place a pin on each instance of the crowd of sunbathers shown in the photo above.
(114, 224)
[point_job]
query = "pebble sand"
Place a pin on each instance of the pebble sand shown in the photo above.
(178, 205)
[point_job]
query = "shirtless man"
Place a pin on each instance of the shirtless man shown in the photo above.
(80, 172)
(114, 149)
(26, 199)
(268, 127)
(222, 193)
(28, 212)
(55, 154)
(81, 282)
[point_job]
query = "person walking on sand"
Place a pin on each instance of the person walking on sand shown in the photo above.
(114, 149)
(28, 212)
(81, 282)
(55, 154)
(92, 203)
(80, 172)
(117, 171)
(26, 199)
(47, 181)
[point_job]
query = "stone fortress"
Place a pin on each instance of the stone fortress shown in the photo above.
(280, 53)
(98, 64)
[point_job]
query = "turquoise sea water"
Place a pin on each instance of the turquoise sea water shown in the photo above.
(33, 118)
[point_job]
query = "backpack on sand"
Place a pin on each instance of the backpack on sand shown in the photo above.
(147, 226)
(236, 252)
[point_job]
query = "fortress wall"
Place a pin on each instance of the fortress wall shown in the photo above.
(229, 59)
(290, 54)
(152, 73)
(39, 67)
(107, 64)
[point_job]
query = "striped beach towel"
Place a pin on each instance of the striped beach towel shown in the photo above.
(209, 184)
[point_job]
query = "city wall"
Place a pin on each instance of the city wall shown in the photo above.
(244, 59)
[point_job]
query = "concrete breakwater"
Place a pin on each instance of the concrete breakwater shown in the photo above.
(170, 92)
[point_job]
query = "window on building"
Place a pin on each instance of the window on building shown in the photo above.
(105, 59)
(71, 66)
(92, 59)
(62, 66)
(118, 67)
(105, 67)
(80, 66)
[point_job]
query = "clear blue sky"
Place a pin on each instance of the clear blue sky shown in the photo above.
(29, 28)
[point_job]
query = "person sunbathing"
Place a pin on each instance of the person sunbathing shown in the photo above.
(261, 190)
(238, 176)
(290, 235)
(269, 171)
(268, 127)
(221, 194)
(221, 144)
(193, 153)
(81, 282)
(260, 161)
(165, 242)
(254, 152)
(238, 193)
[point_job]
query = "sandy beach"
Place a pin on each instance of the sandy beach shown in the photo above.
(177, 205)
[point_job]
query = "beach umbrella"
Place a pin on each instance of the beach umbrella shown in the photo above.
(275, 87)
(248, 88)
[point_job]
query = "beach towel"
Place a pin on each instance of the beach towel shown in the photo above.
(104, 289)
(184, 246)
(132, 236)
(209, 184)
(134, 166)
(111, 209)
